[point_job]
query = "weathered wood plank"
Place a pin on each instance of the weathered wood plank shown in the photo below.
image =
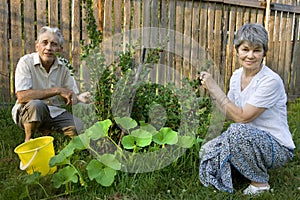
(171, 45)
(41, 14)
(203, 25)
(288, 49)
(217, 48)
(29, 27)
(65, 26)
(53, 13)
(210, 29)
(179, 41)
(187, 40)
(282, 46)
(195, 45)
(146, 5)
(118, 22)
(4, 52)
(285, 8)
(107, 32)
(242, 3)
(127, 21)
(76, 36)
(230, 50)
(16, 32)
(269, 58)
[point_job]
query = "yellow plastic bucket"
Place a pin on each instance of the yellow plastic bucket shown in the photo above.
(35, 155)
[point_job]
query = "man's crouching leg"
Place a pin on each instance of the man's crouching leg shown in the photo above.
(30, 128)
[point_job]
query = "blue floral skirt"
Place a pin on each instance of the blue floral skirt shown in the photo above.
(249, 150)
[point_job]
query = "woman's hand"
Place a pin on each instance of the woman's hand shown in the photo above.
(207, 81)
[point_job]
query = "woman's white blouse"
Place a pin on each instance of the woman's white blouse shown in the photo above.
(266, 90)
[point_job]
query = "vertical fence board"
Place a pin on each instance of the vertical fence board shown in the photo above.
(4, 62)
(253, 16)
(217, 40)
(210, 34)
(53, 12)
(187, 39)
(41, 13)
(282, 45)
(16, 32)
(195, 57)
(127, 19)
(171, 45)
(260, 16)
(179, 41)
(146, 8)
(107, 31)
(163, 40)
(156, 74)
(288, 51)
(29, 28)
(203, 24)
(76, 36)
(65, 26)
(269, 57)
(117, 37)
(230, 46)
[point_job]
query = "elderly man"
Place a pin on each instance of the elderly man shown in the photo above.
(42, 85)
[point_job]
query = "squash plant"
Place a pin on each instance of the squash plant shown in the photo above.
(103, 167)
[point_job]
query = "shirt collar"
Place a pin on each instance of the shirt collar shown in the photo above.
(37, 61)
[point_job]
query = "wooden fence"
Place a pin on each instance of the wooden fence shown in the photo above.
(195, 33)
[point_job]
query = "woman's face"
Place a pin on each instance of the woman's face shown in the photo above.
(250, 56)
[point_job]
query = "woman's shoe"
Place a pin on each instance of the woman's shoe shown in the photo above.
(253, 190)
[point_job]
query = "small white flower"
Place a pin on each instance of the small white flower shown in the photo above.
(184, 190)
(169, 191)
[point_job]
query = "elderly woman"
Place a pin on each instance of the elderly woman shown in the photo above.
(260, 138)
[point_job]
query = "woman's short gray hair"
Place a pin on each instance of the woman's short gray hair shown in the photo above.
(252, 33)
(47, 29)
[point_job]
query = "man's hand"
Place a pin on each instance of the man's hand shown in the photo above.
(67, 95)
(84, 97)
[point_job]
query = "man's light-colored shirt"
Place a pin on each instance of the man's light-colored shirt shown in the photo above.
(266, 90)
(30, 74)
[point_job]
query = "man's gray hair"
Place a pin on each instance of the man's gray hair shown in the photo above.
(252, 33)
(55, 30)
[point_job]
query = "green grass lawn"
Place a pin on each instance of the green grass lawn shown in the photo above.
(177, 181)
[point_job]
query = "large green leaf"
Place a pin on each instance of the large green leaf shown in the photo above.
(148, 127)
(63, 157)
(64, 176)
(110, 161)
(93, 168)
(166, 136)
(126, 122)
(99, 129)
(106, 177)
(142, 137)
(186, 141)
(103, 175)
(128, 142)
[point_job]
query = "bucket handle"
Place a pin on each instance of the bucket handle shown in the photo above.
(23, 167)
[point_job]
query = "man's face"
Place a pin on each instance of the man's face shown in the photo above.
(47, 47)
